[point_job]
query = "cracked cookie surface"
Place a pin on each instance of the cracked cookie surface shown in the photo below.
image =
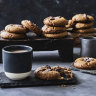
(85, 63)
(53, 73)
(55, 21)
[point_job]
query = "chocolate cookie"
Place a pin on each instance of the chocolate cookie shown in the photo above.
(55, 21)
(82, 18)
(83, 25)
(15, 28)
(77, 35)
(88, 30)
(58, 35)
(6, 35)
(53, 73)
(32, 27)
(85, 63)
(48, 29)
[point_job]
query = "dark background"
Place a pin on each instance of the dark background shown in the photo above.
(13, 11)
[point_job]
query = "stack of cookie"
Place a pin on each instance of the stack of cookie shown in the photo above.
(17, 31)
(14, 31)
(82, 25)
(54, 27)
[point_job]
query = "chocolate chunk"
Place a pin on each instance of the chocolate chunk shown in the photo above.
(52, 18)
(48, 67)
(87, 59)
(59, 16)
(58, 69)
(86, 17)
(43, 69)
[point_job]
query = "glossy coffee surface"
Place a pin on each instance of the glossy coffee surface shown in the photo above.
(18, 51)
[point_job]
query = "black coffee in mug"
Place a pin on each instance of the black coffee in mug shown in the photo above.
(17, 61)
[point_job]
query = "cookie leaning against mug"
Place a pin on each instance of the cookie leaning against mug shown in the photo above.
(15, 28)
(85, 63)
(31, 26)
(49, 29)
(6, 35)
(53, 73)
(55, 21)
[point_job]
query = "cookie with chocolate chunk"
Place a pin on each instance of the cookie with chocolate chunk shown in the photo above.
(58, 35)
(88, 30)
(49, 29)
(6, 35)
(31, 26)
(77, 35)
(15, 28)
(53, 73)
(83, 25)
(55, 21)
(85, 63)
(82, 18)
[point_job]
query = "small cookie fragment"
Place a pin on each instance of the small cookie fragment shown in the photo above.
(70, 24)
(31, 26)
(85, 63)
(55, 21)
(6, 35)
(15, 28)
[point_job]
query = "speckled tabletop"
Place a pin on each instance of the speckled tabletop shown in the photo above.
(86, 86)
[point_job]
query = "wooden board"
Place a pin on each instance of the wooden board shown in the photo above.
(63, 45)
(32, 81)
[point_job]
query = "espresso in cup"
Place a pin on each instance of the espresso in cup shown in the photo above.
(17, 61)
(18, 51)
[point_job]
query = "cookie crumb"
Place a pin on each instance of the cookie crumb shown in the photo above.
(73, 86)
(63, 85)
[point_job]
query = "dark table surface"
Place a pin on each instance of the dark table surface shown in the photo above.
(86, 86)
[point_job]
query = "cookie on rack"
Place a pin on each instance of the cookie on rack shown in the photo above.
(82, 18)
(53, 73)
(15, 28)
(56, 35)
(55, 21)
(89, 30)
(31, 26)
(52, 29)
(78, 35)
(85, 63)
(83, 25)
(7, 35)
